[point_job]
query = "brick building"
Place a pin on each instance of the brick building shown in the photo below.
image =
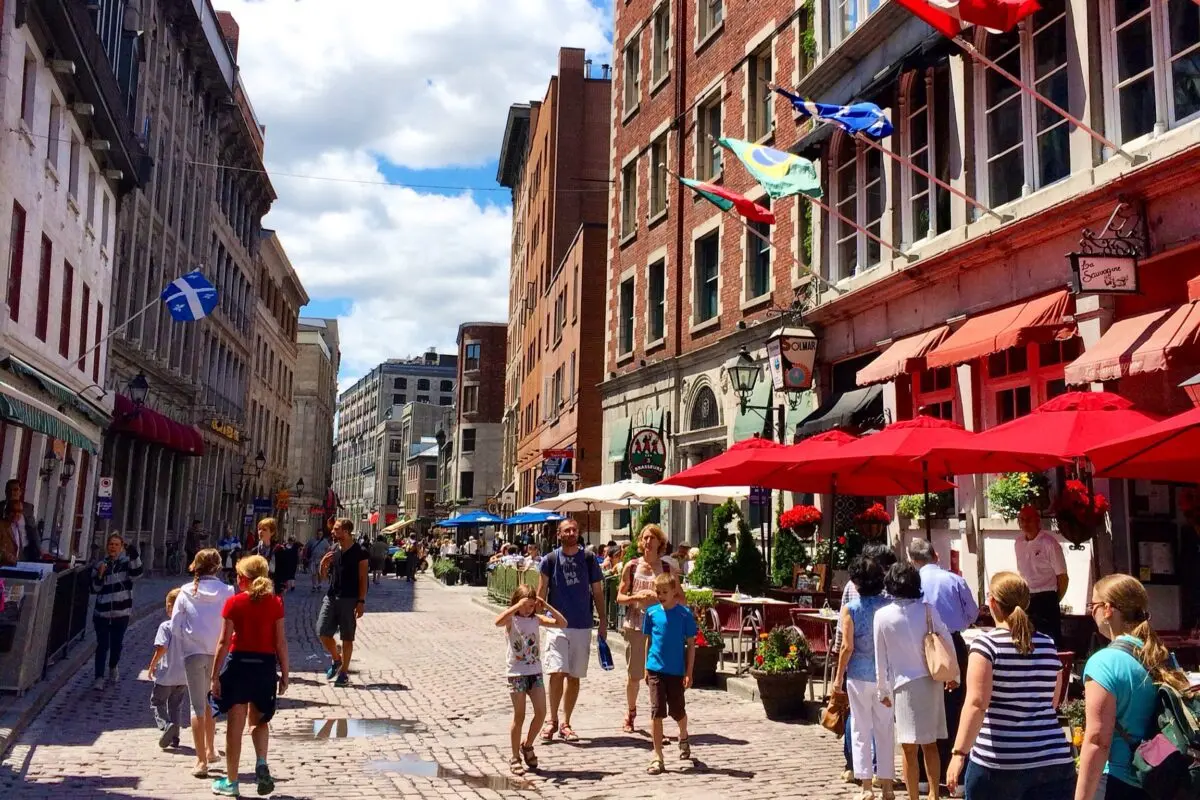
(479, 430)
(554, 158)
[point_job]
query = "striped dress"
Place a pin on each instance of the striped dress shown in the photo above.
(114, 591)
(1020, 727)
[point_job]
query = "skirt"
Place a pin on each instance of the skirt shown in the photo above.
(249, 678)
(920, 711)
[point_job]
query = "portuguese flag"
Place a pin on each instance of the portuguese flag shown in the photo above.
(724, 199)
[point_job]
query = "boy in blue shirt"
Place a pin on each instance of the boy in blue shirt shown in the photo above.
(169, 697)
(670, 629)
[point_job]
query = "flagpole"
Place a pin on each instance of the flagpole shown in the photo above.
(861, 229)
(116, 330)
(974, 53)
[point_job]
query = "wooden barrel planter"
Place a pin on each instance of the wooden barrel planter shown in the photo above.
(781, 693)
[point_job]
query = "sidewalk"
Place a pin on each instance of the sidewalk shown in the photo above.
(16, 712)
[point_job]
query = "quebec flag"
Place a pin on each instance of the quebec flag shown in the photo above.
(191, 297)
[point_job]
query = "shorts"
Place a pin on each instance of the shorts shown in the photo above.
(376, 565)
(635, 653)
(567, 650)
(198, 669)
(520, 684)
(337, 617)
(666, 695)
(249, 678)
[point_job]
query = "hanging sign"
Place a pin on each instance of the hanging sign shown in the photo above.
(104, 508)
(791, 355)
(561, 453)
(646, 454)
(1104, 274)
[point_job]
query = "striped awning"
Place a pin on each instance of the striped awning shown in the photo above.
(43, 421)
(59, 391)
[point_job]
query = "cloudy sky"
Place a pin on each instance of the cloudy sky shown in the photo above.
(384, 121)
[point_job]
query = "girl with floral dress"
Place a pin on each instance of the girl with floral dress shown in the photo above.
(521, 622)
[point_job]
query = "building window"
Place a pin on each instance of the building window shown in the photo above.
(445, 401)
(708, 275)
(1013, 403)
(430, 499)
(571, 378)
(934, 393)
(468, 440)
(73, 177)
(658, 176)
(396, 445)
(85, 308)
(466, 485)
(660, 56)
(849, 14)
(64, 322)
(16, 261)
(423, 385)
(631, 79)
(1012, 361)
(926, 142)
(446, 386)
(470, 395)
(708, 131)
(760, 109)
(96, 352)
(394, 468)
(399, 399)
(629, 199)
(472, 357)
(400, 383)
(43, 296)
(53, 133)
(28, 91)
(704, 410)
(422, 398)
(656, 300)
(758, 257)
(431, 472)
(625, 332)
(858, 195)
(709, 15)
(1026, 145)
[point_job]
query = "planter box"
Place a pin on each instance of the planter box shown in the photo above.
(450, 579)
(704, 669)
(782, 694)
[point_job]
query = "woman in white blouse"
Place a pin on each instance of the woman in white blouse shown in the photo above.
(903, 679)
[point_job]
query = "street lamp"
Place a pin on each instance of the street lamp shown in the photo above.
(68, 471)
(300, 486)
(48, 463)
(743, 374)
(260, 461)
(138, 388)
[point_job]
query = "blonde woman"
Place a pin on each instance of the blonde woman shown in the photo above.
(195, 630)
(637, 593)
(1119, 691)
(1009, 738)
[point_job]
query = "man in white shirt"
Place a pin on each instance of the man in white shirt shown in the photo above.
(471, 547)
(451, 549)
(1041, 563)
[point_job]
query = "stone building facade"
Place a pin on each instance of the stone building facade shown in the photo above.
(479, 430)
(314, 401)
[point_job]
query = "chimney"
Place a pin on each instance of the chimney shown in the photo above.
(230, 31)
(605, 72)
(431, 356)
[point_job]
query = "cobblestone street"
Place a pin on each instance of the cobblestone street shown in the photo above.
(428, 667)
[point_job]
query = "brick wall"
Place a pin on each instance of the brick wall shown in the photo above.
(490, 377)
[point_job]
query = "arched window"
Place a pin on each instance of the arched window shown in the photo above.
(857, 184)
(704, 410)
(926, 142)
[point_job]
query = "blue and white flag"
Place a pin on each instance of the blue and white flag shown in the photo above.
(191, 297)
(855, 118)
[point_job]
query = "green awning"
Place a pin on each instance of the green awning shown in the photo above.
(750, 423)
(803, 408)
(22, 413)
(57, 390)
(618, 440)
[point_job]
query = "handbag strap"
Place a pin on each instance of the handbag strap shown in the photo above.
(928, 621)
(1128, 648)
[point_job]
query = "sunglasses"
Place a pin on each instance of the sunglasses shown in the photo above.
(1092, 606)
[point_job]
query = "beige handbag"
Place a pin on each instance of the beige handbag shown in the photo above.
(940, 661)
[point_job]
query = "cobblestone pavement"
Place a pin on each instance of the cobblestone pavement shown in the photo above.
(429, 661)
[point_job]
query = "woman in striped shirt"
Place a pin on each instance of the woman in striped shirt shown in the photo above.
(112, 583)
(1009, 723)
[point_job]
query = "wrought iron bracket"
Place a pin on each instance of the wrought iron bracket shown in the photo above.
(1125, 233)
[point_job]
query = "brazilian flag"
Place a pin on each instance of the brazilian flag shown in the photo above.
(781, 174)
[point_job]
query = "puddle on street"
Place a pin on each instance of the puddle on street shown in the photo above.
(359, 728)
(421, 768)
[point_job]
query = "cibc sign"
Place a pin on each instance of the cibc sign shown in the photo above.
(792, 354)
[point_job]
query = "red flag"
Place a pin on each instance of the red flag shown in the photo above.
(951, 16)
(724, 199)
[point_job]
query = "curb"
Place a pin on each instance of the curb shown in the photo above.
(26, 708)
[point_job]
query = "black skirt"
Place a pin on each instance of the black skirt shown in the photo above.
(249, 678)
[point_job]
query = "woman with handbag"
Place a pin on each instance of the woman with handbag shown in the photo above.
(913, 662)
(873, 721)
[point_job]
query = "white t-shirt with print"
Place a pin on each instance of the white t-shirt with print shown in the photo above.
(524, 656)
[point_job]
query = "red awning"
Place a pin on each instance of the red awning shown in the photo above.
(151, 426)
(1141, 344)
(904, 356)
(1193, 287)
(1034, 321)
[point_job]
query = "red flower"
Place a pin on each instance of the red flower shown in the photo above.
(841, 540)
(876, 513)
(799, 515)
(758, 660)
(700, 640)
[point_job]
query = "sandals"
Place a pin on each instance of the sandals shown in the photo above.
(549, 731)
(516, 767)
(685, 750)
(656, 767)
(531, 759)
(200, 772)
(567, 734)
(630, 716)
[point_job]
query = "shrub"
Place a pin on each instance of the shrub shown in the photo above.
(651, 511)
(787, 552)
(714, 563)
(749, 568)
(1012, 491)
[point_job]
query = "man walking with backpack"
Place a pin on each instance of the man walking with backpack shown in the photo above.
(571, 582)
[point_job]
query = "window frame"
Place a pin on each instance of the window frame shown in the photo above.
(470, 398)
(841, 232)
(1036, 376)
(701, 283)
(756, 250)
(660, 44)
(16, 261)
(66, 307)
(464, 439)
(625, 316)
(760, 108)
(709, 159)
(710, 19)
(631, 76)
(863, 9)
(45, 270)
(655, 335)
(659, 154)
(629, 200)
(909, 179)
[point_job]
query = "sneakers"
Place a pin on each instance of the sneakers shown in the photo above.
(333, 669)
(225, 788)
(171, 734)
(98, 685)
(114, 674)
(343, 679)
(266, 784)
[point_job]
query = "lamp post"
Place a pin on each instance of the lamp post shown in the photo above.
(138, 387)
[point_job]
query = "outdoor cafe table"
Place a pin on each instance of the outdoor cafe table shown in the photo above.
(742, 603)
(830, 618)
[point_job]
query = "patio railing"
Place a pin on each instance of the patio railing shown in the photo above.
(503, 581)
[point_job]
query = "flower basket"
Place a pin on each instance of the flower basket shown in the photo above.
(704, 668)
(872, 530)
(802, 520)
(1073, 530)
(804, 533)
(1079, 513)
(873, 521)
(781, 693)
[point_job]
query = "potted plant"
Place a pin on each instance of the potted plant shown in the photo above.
(872, 522)
(781, 672)
(787, 551)
(801, 520)
(709, 642)
(446, 571)
(1012, 491)
(714, 564)
(1079, 512)
(914, 507)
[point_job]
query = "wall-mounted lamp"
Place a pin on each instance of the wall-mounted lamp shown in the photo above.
(49, 461)
(138, 388)
(100, 145)
(83, 109)
(114, 174)
(61, 66)
(68, 471)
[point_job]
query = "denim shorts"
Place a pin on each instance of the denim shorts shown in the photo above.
(1055, 782)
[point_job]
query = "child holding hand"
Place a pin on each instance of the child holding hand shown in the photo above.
(521, 622)
(169, 697)
(670, 628)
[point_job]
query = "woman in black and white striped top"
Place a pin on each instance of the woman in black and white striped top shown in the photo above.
(1009, 723)
(112, 583)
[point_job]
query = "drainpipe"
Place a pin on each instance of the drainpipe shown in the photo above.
(680, 128)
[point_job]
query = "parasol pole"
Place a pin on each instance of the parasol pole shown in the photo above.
(925, 483)
(832, 538)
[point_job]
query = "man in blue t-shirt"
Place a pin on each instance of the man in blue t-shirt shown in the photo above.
(570, 581)
(670, 629)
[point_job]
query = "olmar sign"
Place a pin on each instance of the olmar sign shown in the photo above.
(791, 354)
(647, 454)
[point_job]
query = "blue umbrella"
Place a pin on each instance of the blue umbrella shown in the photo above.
(534, 518)
(471, 519)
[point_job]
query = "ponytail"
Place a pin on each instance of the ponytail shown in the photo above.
(260, 588)
(1021, 628)
(254, 570)
(206, 563)
(1128, 597)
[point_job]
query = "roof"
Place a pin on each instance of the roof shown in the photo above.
(513, 147)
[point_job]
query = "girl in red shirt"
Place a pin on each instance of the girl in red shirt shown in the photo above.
(256, 645)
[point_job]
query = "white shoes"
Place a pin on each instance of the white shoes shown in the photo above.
(114, 674)
(98, 685)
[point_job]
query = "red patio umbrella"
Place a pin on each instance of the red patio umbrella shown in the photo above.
(1166, 451)
(1056, 432)
(706, 473)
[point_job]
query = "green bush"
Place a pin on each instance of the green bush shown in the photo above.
(749, 567)
(714, 563)
(1012, 491)
(786, 552)
(650, 512)
(443, 567)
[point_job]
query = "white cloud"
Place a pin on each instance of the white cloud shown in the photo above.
(341, 84)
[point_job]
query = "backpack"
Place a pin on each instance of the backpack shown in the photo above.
(1167, 764)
